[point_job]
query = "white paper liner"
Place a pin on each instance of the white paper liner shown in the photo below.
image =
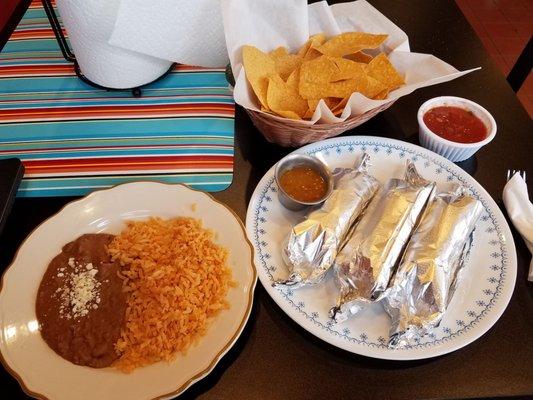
(269, 24)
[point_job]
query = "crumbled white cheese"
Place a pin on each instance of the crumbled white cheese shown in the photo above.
(81, 292)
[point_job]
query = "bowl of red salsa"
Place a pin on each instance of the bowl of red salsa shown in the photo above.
(454, 127)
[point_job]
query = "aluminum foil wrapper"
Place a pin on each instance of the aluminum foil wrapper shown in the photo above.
(312, 245)
(427, 275)
(366, 263)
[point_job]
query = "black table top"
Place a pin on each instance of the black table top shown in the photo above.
(276, 359)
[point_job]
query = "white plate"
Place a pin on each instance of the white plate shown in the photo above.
(481, 298)
(43, 373)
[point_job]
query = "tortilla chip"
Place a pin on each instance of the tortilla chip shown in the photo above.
(318, 39)
(367, 86)
(279, 52)
(294, 80)
(337, 113)
(331, 102)
(381, 68)
(348, 69)
(314, 73)
(312, 103)
(339, 108)
(308, 114)
(311, 54)
(382, 95)
(360, 57)
(304, 48)
(282, 98)
(292, 85)
(351, 42)
(288, 114)
(313, 42)
(258, 66)
(285, 65)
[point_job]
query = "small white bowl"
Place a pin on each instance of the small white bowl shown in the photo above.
(453, 151)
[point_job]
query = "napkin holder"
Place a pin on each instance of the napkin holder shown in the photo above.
(69, 55)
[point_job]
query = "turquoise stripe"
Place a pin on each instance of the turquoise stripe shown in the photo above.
(116, 129)
(34, 23)
(32, 13)
(116, 179)
(16, 46)
(32, 54)
(31, 18)
(121, 102)
(177, 151)
(150, 141)
(63, 187)
(38, 24)
(59, 192)
(170, 92)
(192, 79)
(52, 83)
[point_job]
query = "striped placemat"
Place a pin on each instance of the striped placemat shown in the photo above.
(74, 138)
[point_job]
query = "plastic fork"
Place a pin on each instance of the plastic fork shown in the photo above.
(512, 172)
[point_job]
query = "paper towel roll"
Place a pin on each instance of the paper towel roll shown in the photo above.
(185, 31)
(89, 24)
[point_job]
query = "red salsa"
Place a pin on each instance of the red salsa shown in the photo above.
(455, 124)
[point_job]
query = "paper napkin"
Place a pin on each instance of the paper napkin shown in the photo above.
(520, 210)
(269, 24)
(184, 31)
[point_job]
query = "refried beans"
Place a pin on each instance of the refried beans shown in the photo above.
(80, 303)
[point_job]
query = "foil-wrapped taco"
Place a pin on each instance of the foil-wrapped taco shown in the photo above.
(312, 245)
(364, 266)
(426, 278)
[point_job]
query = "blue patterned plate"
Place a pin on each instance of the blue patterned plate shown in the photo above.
(483, 294)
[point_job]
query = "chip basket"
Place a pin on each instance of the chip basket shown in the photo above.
(289, 133)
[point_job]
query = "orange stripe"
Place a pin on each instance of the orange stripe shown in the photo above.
(37, 69)
(40, 33)
(38, 4)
